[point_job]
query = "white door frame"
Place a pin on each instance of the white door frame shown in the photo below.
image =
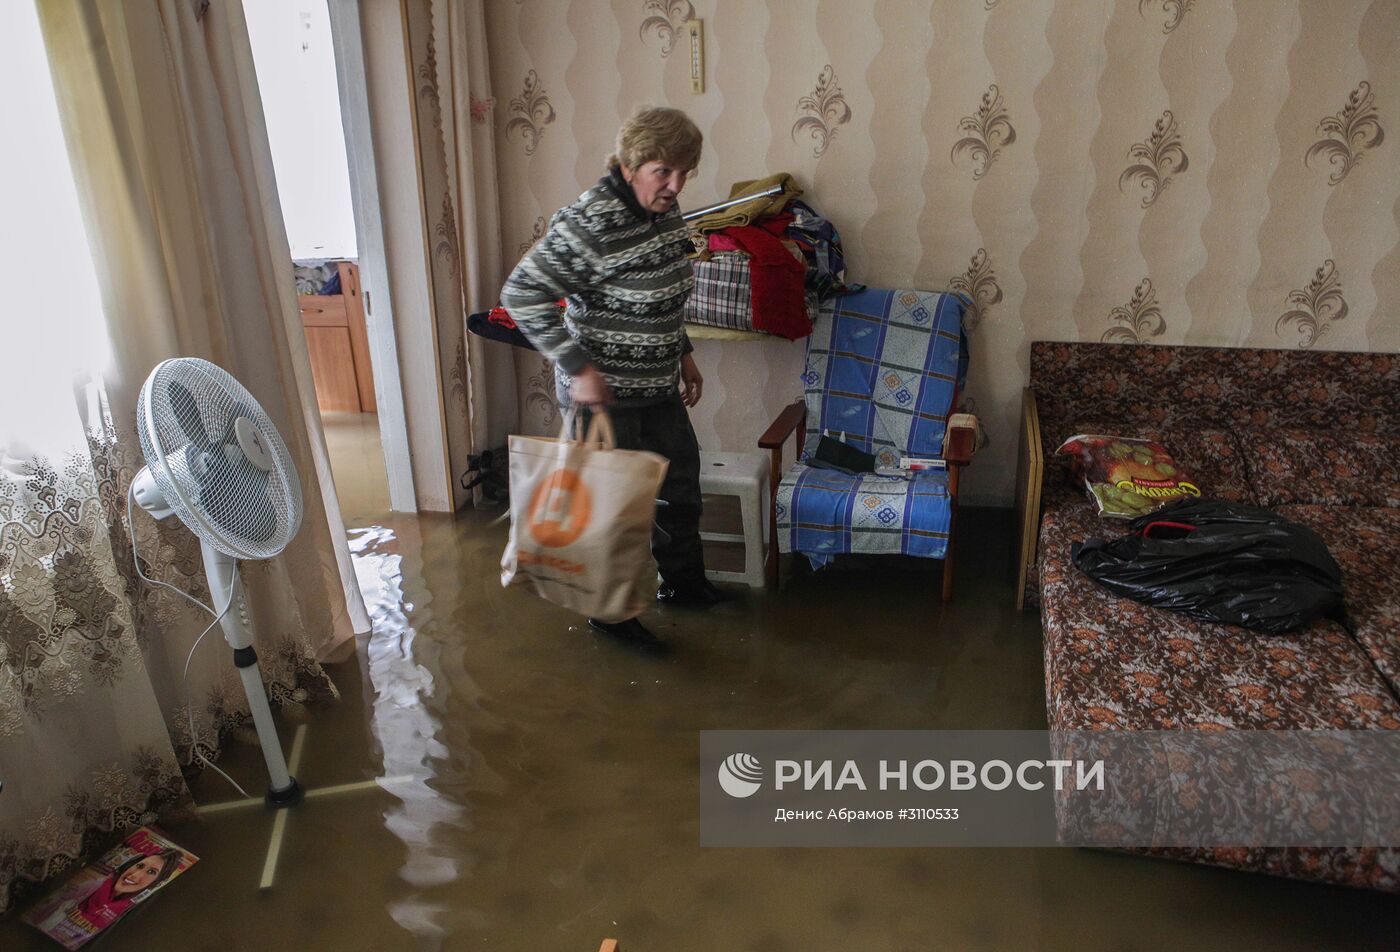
(352, 82)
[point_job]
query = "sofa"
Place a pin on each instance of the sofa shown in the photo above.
(1312, 435)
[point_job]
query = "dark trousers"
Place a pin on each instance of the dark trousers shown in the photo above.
(665, 428)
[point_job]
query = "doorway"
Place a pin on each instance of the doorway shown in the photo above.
(311, 81)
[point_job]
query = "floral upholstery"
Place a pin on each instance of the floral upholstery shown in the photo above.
(1366, 544)
(1312, 433)
(1216, 387)
(1322, 467)
(1367, 868)
(1212, 457)
(1113, 664)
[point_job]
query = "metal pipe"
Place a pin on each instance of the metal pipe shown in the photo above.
(702, 212)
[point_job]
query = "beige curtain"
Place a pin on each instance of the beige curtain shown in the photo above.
(161, 109)
(83, 744)
(457, 158)
(469, 139)
(163, 124)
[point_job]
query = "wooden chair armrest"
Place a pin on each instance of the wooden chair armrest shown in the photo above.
(792, 417)
(960, 442)
(791, 420)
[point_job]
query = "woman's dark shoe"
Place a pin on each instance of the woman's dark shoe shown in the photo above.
(631, 631)
(699, 594)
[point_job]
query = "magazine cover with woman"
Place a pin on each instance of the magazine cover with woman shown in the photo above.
(100, 893)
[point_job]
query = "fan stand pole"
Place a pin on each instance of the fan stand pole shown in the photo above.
(225, 584)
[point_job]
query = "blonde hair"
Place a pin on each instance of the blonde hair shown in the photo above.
(657, 133)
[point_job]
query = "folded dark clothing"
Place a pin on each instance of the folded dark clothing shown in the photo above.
(834, 454)
(821, 246)
(504, 331)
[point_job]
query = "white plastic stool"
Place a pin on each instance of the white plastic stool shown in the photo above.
(744, 475)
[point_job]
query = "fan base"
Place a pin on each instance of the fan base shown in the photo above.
(288, 796)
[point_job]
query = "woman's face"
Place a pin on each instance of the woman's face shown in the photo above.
(139, 875)
(656, 184)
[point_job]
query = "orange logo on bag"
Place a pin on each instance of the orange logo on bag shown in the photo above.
(560, 509)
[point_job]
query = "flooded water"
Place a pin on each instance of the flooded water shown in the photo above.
(537, 784)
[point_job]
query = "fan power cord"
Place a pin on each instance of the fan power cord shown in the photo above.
(189, 703)
(184, 676)
(136, 558)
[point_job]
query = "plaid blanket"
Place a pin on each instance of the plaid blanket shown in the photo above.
(883, 371)
(884, 368)
(723, 295)
(823, 512)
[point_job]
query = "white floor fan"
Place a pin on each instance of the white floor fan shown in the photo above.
(214, 459)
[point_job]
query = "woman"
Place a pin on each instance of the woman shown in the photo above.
(619, 255)
(89, 906)
(118, 892)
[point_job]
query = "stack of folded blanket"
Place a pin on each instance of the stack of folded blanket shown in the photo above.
(765, 265)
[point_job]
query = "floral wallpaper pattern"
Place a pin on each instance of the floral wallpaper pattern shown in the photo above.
(1036, 133)
(531, 112)
(536, 233)
(1316, 307)
(1176, 10)
(1139, 320)
(665, 20)
(827, 110)
(979, 285)
(539, 395)
(1348, 134)
(1157, 159)
(985, 133)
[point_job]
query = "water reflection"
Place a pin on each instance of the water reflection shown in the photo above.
(400, 665)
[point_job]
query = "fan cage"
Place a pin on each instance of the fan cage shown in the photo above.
(218, 493)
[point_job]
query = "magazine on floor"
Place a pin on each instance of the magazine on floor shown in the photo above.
(97, 896)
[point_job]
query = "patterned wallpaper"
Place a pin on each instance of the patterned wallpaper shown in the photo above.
(1143, 171)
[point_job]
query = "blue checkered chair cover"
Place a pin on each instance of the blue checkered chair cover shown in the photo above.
(883, 370)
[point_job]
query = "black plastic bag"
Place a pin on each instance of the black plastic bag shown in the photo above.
(1221, 562)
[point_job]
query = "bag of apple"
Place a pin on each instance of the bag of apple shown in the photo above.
(1127, 477)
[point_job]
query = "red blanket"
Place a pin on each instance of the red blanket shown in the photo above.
(776, 275)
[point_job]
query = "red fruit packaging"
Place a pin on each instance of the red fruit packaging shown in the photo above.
(1127, 477)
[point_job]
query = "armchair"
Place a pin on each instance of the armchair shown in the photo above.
(883, 371)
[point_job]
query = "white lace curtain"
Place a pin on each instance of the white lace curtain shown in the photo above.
(162, 238)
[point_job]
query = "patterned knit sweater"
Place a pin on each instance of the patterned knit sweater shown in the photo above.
(625, 275)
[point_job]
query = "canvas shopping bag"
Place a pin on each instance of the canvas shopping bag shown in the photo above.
(581, 513)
